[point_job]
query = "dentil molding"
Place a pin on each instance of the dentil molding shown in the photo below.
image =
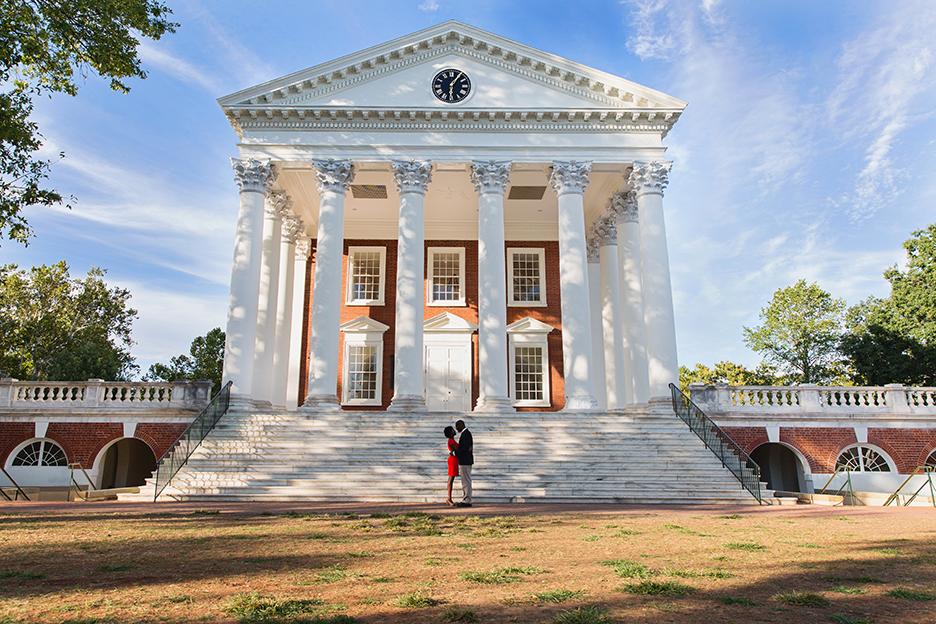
(253, 175)
(412, 176)
(490, 176)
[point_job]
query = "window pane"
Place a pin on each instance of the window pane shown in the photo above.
(362, 373)
(29, 455)
(53, 455)
(365, 276)
(528, 373)
(446, 281)
(526, 277)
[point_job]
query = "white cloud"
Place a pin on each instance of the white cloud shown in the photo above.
(653, 36)
(429, 5)
(157, 55)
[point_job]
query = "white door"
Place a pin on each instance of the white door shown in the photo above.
(448, 377)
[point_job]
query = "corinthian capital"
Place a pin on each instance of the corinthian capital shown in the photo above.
(623, 207)
(253, 175)
(303, 247)
(333, 175)
(592, 249)
(277, 204)
(412, 176)
(490, 176)
(570, 176)
(292, 227)
(649, 177)
(604, 231)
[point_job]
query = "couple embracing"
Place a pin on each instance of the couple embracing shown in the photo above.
(460, 461)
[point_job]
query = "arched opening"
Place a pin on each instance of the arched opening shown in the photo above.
(127, 462)
(780, 467)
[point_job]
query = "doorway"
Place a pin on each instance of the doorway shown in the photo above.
(128, 462)
(448, 377)
(780, 467)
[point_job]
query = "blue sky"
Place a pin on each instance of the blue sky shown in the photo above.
(808, 149)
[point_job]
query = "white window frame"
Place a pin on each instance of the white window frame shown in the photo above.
(379, 301)
(528, 332)
(362, 332)
(446, 303)
(892, 467)
(541, 253)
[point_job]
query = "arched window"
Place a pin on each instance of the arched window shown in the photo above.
(931, 461)
(861, 458)
(41, 453)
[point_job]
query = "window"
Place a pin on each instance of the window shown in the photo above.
(529, 363)
(526, 283)
(862, 458)
(366, 269)
(363, 362)
(41, 453)
(446, 270)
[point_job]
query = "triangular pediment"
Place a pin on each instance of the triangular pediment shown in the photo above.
(363, 324)
(529, 325)
(505, 75)
(449, 323)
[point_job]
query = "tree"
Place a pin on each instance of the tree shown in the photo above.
(729, 372)
(55, 327)
(43, 43)
(800, 334)
(206, 362)
(893, 340)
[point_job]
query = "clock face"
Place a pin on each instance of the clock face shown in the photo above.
(451, 85)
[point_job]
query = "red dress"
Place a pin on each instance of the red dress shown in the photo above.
(452, 460)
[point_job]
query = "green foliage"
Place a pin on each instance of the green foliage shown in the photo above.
(583, 615)
(748, 546)
(45, 47)
(499, 575)
(629, 569)
(743, 602)
(800, 332)
(558, 595)
(802, 599)
(205, 361)
(55, 327)
(730, 373)
(910, 594)
(414, 600)
(649, 587)
(250, 608)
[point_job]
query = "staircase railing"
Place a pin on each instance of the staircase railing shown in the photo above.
(74, 488)
(928, 471)
(18, 490)
(846, 486)
(731, 455)
(178, 454)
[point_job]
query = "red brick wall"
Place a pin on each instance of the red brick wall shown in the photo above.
(11, 435)
(159, 436)
(83, 441)
(386, 314)
(748, 438)
(909, 448)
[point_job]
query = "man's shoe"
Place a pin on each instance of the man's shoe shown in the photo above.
(463, 505)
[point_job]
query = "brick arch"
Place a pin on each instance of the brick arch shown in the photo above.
(159, 436)
(12, 435)
(899, 459)
(924, 455)
(83, 441)
(820, 446)
(99, 456)
(748, 438)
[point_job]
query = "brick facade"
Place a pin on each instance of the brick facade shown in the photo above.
(83, 441)
(12, 434)
(748, 438)
(159, 436)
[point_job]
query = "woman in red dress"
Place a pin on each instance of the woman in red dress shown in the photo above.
(452, 462)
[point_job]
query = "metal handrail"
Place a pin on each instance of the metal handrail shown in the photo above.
(928, 471)
(16, 494)
(731, 455)
(73, 483)
(171, 461)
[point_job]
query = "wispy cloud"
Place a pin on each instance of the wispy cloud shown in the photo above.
(158, 56)
(429, 6)
(653, 36)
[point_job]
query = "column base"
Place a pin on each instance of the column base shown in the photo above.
(584, 403)
(325, 403)
(494, 404)
(408, 403)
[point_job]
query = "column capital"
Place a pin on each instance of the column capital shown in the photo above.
(303, 248)
(651, 177)
(592, 249)
(412, 176)
(622, 207)
(569, 176)
(255, 175)
(292, 228)
(277, 204)
(490, 176)
(604, 231)
(333, 175)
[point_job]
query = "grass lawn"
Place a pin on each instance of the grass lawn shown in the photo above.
(119, 564)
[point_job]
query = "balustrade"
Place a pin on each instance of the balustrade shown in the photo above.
(97, 394)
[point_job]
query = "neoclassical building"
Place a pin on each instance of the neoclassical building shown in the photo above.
(450, 221)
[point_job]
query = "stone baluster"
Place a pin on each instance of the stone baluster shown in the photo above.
(412, 180)
(569, 179)
(490, 179)
(254, 178)
(292, 226)
(334, 179)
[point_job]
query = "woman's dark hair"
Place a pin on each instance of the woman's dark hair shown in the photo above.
(449, 431)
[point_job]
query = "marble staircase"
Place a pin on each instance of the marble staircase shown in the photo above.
(645, 456)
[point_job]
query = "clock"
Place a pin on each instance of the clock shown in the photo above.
(451, 86)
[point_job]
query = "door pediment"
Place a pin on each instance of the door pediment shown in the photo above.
(448, 323)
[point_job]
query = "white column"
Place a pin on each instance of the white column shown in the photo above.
(624, 208)
(412, 180)
(594, 306)
(254, 178)
(612, 347)
(292, 226)
(648, 181)
(569, 180)
(302, 249)
(334, 178)
(490, 180)
(276, 206)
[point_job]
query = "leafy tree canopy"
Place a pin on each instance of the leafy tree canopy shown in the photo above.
(800, 334)
(55, 327)
(730, 373)
(43, 45)
(205, 361)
